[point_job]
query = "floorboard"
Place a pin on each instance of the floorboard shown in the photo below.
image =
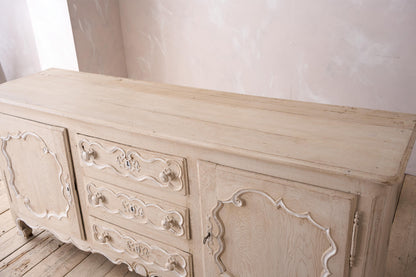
(59, 263)
(4, 200)
(94, 264)
(10, 242)
(29, 255)
(7, 222)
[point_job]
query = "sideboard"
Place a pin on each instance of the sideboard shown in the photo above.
(178, 181)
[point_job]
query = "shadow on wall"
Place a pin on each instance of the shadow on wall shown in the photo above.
(2, 76)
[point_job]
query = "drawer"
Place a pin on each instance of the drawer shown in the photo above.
(120, 162)
(146, 256)
(137, 212)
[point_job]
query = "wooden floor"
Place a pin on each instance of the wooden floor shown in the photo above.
(43, 255)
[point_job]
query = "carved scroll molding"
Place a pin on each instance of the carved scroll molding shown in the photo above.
(133, 208)
(62, 179)
(84, 246)
(215, 238)
(130, 164)
(139, 250)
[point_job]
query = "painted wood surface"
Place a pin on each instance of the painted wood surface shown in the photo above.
(37, 169)
(152, 217)
(332, 173)
(402, 248)
(43, 255)
(118, 161)
(332, 138)
(70, 260)
(314, 241)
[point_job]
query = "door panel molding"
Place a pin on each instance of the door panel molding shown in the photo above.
(216, 241)
(62, 178)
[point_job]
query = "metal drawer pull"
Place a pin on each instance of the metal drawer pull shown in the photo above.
(167, 175)
(87, 155)
(171, 264)
(103, 238)
(97, 197)
(168, 222)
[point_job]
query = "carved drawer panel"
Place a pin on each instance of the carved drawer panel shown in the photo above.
(122, 162)
(143, 255)
(137, 212)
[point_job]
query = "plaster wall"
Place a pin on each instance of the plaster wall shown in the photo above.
(18, 52)
(53, 34)
(98, 37)
(353, 52)
(34, 35)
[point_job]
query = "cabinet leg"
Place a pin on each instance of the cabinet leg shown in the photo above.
(23, 229)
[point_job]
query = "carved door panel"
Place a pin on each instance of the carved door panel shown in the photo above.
(37, 169)
(257, 225)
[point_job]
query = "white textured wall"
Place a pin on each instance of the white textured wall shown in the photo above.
(18, 53)
(98, 37)
(358, 53)
(53, 34)
(352, 52)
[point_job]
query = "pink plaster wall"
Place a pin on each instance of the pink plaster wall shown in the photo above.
(358, 53)
(97, 35)
(352, 52)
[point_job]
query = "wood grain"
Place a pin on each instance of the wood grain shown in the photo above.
(59, 262)
(56, 263)
(93, 265)
(11, 241)
(402, 247)
(117, 271)
(4, 201)
(289, 132)
(29, 255)
(7, 222)
(39, 173)
(330, 161)
(278, 241)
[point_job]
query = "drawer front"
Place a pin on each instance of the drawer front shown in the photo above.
(136, 212)
(143, 167)
(143, 255)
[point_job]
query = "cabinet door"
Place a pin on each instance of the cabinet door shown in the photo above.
(37, 169)
(257, 225)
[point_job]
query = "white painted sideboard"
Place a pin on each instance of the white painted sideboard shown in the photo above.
(176, 181)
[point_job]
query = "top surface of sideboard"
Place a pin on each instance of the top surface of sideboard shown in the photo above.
(358, 142)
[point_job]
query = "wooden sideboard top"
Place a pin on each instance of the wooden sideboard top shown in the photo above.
(365, 143)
